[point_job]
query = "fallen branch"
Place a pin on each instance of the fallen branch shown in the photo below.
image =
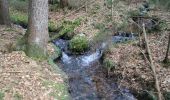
(151, 64)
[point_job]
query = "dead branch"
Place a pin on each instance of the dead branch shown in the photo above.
(151, 64)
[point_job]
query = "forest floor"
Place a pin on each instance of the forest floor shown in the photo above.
(23, 78)
(133, 69)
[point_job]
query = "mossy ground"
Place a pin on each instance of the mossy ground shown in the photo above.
(61, 90)
(34, 51)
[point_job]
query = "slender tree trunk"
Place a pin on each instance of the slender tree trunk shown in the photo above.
(63, 3)
(167, 52)
(37, 29)
(4, 13)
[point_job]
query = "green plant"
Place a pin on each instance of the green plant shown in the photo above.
(79, 43)
(52, 26)
(60, 90)
(67, 28)
(1, 95)
(19, 18)
(109, 65)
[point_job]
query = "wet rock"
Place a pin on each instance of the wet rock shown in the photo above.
(122, 37)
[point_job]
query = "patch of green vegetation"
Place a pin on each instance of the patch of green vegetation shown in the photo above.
(57, 69)
(67, 28)
(79, 43)
(99, 26)
(109, 65)
(34, 51)
(162, 25)
(19, 18)
(61, 90)
(17, 96)
(52, 26)
(1, 95)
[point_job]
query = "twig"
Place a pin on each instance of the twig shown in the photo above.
(151, 64)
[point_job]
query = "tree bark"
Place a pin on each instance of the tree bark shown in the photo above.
(166, 60)
(4, 13)
(37, 29)
(63, 3)
(152, 64)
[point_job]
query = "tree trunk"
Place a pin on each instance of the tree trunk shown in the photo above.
(37, 29)
(166, 60)
(63, 3)
(4, 13)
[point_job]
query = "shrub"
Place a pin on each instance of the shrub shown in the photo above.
(79, 44)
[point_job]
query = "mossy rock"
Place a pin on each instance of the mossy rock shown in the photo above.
(66, 30)
(79, 44)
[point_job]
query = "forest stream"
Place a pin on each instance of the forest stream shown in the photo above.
(86, 78)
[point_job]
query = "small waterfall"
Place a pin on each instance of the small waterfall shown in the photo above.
(87, 80)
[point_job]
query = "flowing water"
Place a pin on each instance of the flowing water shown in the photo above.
(87, 80)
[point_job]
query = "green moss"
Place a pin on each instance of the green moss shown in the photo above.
(108, 64)
(19, 18)
(57, 69)
(57, 52)
(1, 95)
(34, 51)
(67, 28)
(79, 43)
(52, 26)
(61, 90)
